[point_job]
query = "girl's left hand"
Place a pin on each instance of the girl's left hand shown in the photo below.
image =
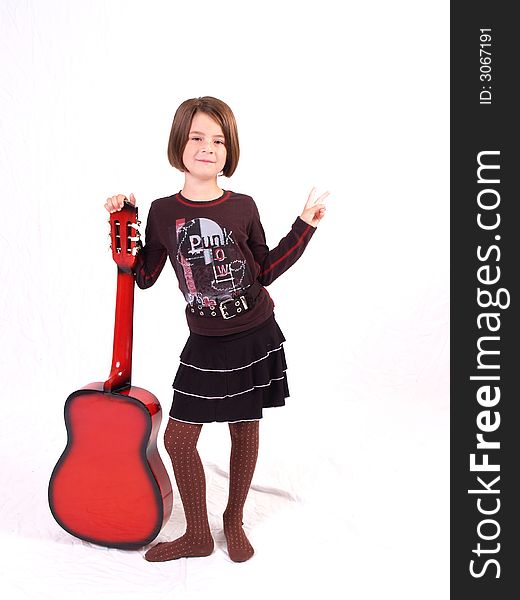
(314, 210)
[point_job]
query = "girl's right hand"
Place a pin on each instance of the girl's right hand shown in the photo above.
(115, 203)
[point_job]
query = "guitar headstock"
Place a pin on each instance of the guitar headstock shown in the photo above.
(125, 239)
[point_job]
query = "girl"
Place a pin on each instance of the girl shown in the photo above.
(233, 364)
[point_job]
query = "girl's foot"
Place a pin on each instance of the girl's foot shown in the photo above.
(239, 547)
(184, 547)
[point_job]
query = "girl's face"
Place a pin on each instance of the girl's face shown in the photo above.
(205, 152)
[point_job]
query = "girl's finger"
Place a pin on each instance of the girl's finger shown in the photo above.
(310, 199)
(322, 197)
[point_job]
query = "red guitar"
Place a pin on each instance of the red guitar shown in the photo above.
(110, 486)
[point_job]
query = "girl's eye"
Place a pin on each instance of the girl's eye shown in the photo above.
(198, 139)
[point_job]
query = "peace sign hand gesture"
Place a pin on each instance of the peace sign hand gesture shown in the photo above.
(314, 209)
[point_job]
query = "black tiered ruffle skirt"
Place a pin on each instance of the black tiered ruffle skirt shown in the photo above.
(231, 378)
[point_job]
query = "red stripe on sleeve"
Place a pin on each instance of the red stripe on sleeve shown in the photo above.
(290, 251)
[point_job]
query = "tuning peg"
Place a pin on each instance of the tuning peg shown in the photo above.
(137, 248)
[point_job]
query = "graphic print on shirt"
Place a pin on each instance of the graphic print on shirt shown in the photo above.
(213, 266)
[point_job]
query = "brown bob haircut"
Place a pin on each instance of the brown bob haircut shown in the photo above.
(218, 111)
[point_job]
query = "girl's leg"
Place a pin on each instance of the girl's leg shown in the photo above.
(244, 453)
(180, 440)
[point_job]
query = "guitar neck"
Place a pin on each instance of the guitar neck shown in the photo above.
(121, 371)
(124, 241)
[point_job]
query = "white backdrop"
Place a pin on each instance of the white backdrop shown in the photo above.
(350, 495)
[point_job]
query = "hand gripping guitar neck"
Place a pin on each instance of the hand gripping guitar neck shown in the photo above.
(110, 486)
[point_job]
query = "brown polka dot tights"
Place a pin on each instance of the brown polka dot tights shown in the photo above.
(181, 444)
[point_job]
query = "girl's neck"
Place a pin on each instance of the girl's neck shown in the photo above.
(201, 190)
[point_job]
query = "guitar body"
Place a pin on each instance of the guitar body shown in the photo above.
(110, 486)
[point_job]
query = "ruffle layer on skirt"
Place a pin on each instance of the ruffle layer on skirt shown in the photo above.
(231, 378)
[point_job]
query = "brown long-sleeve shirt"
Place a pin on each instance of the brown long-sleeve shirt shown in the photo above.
(217, 249)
